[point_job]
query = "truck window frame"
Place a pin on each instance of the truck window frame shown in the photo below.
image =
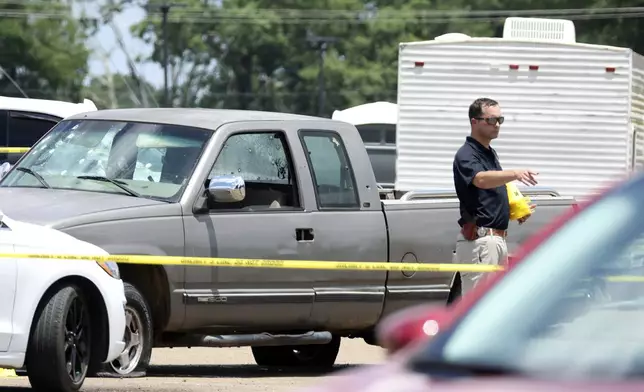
(4, 127)
(28, 115)
(295, 178)
(302, 133)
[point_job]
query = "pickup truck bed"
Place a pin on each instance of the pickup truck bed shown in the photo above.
(422, 229)
(225, 183)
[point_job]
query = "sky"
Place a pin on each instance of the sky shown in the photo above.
(105, 42)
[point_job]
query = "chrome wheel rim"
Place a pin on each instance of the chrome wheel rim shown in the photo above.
(131, 354)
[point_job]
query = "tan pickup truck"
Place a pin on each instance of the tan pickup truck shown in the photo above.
(225, 183)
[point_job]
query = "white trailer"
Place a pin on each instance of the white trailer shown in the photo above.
(574, 112)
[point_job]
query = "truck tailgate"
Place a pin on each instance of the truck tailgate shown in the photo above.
(419, 231)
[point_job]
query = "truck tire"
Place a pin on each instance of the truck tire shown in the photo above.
(135, 358)
(310, 356)
(61, 334)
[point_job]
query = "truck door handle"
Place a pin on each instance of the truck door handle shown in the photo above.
(304, 234)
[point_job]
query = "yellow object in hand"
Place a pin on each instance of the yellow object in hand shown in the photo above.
(519, 204)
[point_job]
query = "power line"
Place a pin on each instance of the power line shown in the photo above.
(305, 16)
(285, 13)
(267, 21)
(391, 13)
(178, 19)
(209, 14)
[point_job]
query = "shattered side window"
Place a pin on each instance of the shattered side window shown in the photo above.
(257, 157)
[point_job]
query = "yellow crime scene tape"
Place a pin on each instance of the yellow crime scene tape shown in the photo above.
(280, 264)
(252, 263)
(7, 373)
(14, 149)
(264, 263)
(285, 264)
(625, 279)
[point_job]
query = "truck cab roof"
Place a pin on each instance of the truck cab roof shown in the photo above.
(192, 117)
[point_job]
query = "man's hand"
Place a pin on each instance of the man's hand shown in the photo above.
(526, 176)
(525, 218)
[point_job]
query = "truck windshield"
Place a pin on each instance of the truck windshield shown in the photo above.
(145, 159)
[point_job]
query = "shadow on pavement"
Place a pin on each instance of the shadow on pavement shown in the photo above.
(242, 371)
(216, 371)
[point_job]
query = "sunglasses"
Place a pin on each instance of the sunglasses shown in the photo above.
(492, 120)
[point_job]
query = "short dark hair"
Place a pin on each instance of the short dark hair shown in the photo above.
(476, 108)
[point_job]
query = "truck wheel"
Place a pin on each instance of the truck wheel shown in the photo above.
(310, 355)
(135, 358)
(59, 348)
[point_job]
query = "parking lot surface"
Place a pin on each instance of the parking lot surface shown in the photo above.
(216, 370)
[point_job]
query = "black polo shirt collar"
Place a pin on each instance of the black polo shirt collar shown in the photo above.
(476, 144)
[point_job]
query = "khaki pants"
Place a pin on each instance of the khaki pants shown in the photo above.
(490, 249)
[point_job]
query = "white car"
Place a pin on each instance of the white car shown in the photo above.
(59, 319)
(25, 120)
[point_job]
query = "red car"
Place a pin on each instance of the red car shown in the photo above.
(566, 315)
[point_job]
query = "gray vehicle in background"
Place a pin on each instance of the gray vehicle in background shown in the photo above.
(242, 184)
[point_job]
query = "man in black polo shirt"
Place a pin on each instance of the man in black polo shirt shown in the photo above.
(480, 186)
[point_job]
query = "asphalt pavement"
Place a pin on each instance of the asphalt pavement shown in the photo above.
(216, 370)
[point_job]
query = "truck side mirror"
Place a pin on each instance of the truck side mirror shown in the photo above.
(226, 189)
(4, 169)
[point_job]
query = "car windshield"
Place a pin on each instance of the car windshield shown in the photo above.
(573, 308)
(137, 159)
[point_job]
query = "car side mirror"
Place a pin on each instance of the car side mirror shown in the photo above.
(226, 189)
(409, 326)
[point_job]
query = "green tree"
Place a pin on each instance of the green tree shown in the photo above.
(111, 91)
(257, 54)
(264, 57)
(43, 50)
